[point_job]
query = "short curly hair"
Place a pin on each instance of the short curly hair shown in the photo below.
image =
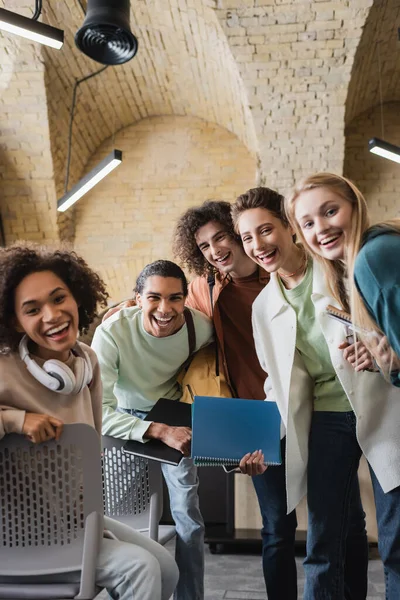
(22, 259)
(184, 242)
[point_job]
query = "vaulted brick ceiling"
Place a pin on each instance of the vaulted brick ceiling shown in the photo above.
(377, 61)
(183, 67)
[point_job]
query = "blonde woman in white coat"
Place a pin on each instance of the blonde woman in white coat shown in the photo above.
(329, 215)
(322, 399)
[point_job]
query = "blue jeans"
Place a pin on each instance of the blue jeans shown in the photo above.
(182, 483)
(278, 536)
(278, 533)
(334, 456)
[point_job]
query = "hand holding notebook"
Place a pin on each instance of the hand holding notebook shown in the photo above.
(225, 429)
(172, 413)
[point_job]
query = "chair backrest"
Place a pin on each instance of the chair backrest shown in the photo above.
(132, 487)
(50, 504)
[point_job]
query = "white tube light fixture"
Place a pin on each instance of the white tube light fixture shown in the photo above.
(384, 149)
(31, 29)
(104, 167)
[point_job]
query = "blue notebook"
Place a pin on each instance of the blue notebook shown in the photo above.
(225, 429)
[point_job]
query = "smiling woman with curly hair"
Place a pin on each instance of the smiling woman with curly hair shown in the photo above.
(185, 246)
(20, 260)
(49, 379)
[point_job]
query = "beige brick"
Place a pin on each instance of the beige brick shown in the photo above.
(378, 178)
(215, 164)
(290, 60)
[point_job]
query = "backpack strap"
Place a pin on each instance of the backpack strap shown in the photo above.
(211, 284)
(191, 334)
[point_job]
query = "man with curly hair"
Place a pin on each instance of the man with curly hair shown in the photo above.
(206, 244)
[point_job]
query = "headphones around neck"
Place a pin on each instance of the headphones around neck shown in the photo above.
(56, 375)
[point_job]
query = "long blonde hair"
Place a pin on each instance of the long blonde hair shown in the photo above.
(335, 271)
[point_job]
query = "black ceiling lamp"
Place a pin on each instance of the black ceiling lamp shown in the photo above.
(95, 175)
(32, 29)
(376, 145)
(105, 35)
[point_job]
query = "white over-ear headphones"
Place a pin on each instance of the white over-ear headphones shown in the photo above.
(55, 374)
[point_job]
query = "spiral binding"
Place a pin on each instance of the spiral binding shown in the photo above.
(209, 461)
(212, 461)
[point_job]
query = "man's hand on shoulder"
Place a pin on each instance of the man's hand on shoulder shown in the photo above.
(175, 437)
(115, 309)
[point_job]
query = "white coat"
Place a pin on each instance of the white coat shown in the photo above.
(375, 402)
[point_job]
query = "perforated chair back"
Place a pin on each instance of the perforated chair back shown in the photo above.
(50, 504)
(132, 489)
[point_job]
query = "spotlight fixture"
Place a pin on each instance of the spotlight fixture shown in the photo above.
(105, 35)
(384, 149)
(104, 167)
(31, 28)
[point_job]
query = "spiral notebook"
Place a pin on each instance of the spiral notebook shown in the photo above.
(225, 429)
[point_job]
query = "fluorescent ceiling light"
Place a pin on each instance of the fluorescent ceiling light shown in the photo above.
(31, 29)
(104, 167)
(384, 149)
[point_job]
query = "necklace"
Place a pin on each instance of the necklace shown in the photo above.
(301, 267)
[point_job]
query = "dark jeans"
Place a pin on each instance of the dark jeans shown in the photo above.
(278, 532)
(278, 535)
(334, 537)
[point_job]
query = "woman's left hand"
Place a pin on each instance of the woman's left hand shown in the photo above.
(253, 464)
(357, 355)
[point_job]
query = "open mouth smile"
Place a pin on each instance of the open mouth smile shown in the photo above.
(162, 321)
(223, 259)
(267, 257)
(59, 332)
(330, 241)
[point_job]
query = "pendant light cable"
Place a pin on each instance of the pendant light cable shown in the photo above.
(38, 10)
(71, 121)
(380, 90)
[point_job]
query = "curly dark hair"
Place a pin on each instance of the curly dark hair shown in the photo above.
(22, 259)
(184, 242)
(163, 268)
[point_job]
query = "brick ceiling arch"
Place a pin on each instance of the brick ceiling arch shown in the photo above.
(379, 44)
(184, 66)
